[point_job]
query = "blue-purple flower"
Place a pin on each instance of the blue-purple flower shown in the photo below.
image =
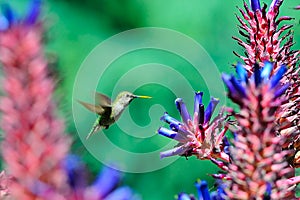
(105, 186)
(203, 193)
(199, 135)
(255, 5)
(242, 89)
(9, 18)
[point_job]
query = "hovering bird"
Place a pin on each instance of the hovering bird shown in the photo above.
(108, 111)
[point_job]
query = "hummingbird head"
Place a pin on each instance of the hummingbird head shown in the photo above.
(126, 97)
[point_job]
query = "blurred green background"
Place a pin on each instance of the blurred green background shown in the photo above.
(75, 27)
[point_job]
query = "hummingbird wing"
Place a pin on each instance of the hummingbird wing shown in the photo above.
(102, 100)
(105, 102)
(94, 108)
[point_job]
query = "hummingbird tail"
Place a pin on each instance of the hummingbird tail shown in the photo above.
(96, 127)
(93, 131)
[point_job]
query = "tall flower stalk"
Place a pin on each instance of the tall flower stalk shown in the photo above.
(263, 32)
(35, 148)
(268, 39)
(34, 144)
(258, 167)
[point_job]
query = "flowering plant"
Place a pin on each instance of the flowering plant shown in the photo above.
(256, 147)
(260, 162)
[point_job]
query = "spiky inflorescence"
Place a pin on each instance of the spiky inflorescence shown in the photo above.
(34, 143)
(199, 136)
(264, 42)
(258, 167)
(262, 30)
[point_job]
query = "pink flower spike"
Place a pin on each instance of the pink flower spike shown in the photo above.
(258, 163)
(34, 144)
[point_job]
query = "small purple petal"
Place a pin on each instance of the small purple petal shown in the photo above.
(257, 77)
(197, 101)
(281, 90)
(181, 137)
(266, 71)
(202, 188)
(267, 194)
(225, 141)
(183, 196)
(168, 119)
(4, 23)
(175, 151)
(240, 89)
(166, 132)
(226, 79)
(174, 127)
(226, 145)
(219, 194)
(276, 78)
(75, 170)
(210, 109)
(227, 150)
(183, 110)
(201, 114)
(232, 91)
(8, 13)
(33, 12)
(255, 5)
(182, 130)
(122, 193)
(215, 196)
(107, 180)
(242, 73)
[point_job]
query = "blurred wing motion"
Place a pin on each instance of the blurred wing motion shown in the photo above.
(96, 109)
(103, 108)
(102, 100)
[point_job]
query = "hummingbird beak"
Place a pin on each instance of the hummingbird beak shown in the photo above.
(142, 97)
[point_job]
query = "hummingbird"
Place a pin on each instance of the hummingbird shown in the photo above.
(109, 112)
